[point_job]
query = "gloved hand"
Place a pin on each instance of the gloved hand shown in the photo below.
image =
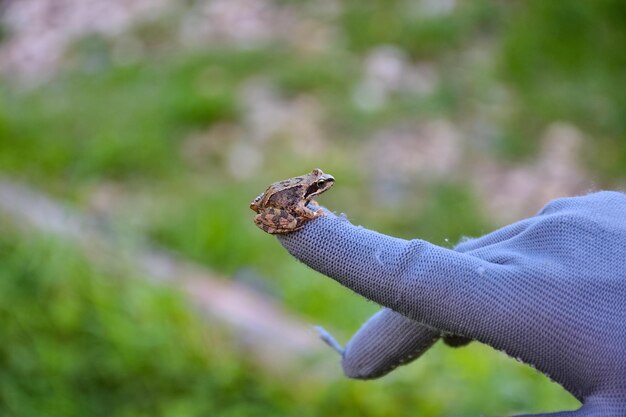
(549, 290)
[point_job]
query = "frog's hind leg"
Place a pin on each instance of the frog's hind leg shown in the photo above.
(259, 221)
(282, 220)
(275, 221)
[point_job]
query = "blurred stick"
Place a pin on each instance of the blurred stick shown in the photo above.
(276, 339)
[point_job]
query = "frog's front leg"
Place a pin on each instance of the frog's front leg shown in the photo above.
(315, 206)
(309, 211)
(276, 221)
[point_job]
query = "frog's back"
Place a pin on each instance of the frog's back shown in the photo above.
(285, 198)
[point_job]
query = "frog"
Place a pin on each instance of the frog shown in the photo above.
(287, 205)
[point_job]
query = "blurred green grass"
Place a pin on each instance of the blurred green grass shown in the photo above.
(102, 122)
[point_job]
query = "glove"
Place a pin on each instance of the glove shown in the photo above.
(549, 290)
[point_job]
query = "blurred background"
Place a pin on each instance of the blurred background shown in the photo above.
(134, 133)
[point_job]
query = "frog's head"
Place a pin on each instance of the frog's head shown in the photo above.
(317, 183)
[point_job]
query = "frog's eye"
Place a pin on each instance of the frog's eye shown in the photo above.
(321, 182)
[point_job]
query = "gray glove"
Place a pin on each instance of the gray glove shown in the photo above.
(549, 290)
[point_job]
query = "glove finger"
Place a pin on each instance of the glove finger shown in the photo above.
(442, 288)
(386, 341)
(593, 407)
(500, 235)
(562, 414)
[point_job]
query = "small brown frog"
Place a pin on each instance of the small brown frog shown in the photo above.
(282, 208)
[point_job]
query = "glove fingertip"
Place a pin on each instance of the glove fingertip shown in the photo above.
(329, 339)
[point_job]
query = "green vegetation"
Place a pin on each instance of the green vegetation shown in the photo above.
(569, 67)
(82, 340)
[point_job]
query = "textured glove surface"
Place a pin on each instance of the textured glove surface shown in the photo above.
(549, 290)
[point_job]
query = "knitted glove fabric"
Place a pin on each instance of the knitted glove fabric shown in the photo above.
(549, 290)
